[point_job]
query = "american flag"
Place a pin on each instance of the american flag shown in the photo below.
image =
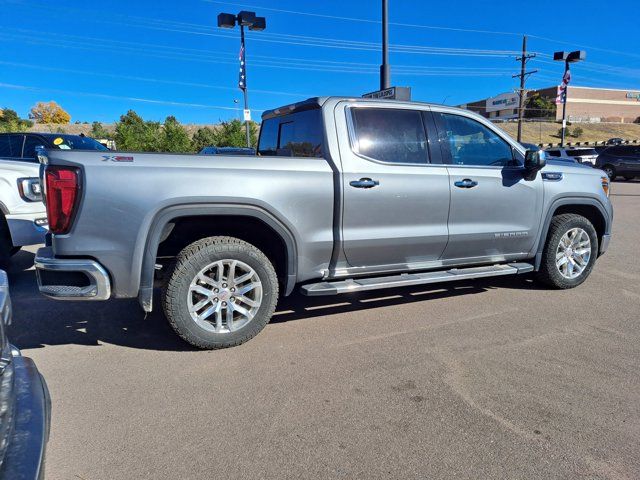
(562, 88)
(242, 79)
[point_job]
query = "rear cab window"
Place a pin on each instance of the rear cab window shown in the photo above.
(299, 134)
(389, 135)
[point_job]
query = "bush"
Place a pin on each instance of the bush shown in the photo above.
(98, 131)
(174, 137)
(204, 137)
(577, 132)
(11, 122)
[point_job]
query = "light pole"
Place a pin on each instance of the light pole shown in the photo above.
(385, 74)
(567, 58)
(243, 19)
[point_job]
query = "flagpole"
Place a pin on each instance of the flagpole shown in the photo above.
(564, 105)
(244, 90)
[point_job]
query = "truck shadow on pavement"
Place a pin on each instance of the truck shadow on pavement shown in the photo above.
(40, 322)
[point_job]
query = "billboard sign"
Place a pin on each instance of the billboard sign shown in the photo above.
(504, 101)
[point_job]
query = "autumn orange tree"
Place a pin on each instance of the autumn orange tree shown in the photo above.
(49, 112)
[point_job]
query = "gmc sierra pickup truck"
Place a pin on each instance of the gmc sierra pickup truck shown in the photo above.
(343, 195)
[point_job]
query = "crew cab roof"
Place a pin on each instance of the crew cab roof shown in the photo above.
(317, 102)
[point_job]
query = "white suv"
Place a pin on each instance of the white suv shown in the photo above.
(585, 155)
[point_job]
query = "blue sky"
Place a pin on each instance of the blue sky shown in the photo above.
(100, 58)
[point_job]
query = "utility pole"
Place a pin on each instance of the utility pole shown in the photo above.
(523, 79)
(385, 80)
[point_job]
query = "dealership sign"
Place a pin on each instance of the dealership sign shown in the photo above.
(504, 101)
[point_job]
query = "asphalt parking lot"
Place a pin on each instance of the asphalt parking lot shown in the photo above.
(487, 379)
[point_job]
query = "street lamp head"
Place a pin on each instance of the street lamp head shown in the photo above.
(570, 57)
(576, 56)
(226, 20)
(246, 19)
(259, 24)
(560, 56)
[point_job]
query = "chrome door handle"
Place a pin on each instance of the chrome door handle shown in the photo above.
(466, 183)
(364, 183)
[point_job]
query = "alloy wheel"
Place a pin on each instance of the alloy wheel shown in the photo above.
(224, 296)
(573, 253)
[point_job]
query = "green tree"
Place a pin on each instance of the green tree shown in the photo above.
(577, 132)
(98, 131)
(133, 133)
(232, 134)
(204, 137)
(11, 122)
(174, 137)
(539, 107)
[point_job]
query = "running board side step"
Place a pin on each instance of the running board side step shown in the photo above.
(407, 279)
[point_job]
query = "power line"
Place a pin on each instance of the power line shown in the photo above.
(116, 97)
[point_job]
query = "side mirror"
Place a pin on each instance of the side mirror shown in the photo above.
(535, 160)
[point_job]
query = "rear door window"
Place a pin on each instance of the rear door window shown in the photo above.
(11, 145)
(390, 135)
(30, 144)
(298, 134)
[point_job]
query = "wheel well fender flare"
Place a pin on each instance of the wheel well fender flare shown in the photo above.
(563, 202)
(163, 218)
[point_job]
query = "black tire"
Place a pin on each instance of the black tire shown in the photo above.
(6, 245)
(561, 224)
(610, 171)
(629, 178)
(192, 260)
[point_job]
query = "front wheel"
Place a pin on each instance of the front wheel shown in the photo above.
(570, 252)
(221, 292)
(610, 171)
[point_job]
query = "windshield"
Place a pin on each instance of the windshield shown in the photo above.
(76, 142)
(579, 153)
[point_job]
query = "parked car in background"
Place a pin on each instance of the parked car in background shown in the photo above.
(25, 407)
(615, 141)
(23, 219)
(227, 151)
(584, 155)
(530, 146)
(620, 160)
(22, 146)
(346, 195)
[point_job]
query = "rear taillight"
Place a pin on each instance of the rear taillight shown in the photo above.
(62, 190)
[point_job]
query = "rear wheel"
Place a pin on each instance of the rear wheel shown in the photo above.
(570, 252)
(221, 292)
(610, 171)
(6, 245)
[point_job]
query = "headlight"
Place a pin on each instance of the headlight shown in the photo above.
(605, 185)
(30, 189)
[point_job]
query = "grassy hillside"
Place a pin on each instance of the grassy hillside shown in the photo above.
(533, 132)
(545, 132)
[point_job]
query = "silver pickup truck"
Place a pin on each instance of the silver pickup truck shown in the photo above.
(344, 195)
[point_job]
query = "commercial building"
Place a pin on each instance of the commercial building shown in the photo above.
(584, 104)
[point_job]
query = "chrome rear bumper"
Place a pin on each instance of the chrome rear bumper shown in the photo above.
(71, 278)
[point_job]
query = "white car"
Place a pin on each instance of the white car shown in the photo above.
(584, 155)
(23, 218)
